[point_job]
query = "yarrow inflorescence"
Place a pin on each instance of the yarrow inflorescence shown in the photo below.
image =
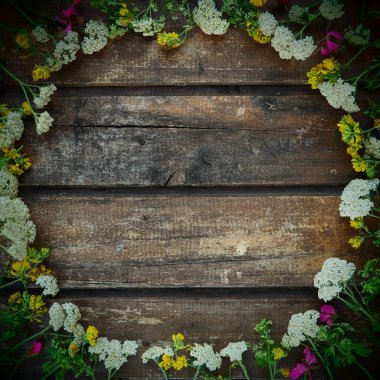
(209, 19)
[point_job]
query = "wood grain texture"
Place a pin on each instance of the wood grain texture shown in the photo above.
(121, 241)
(265, 138)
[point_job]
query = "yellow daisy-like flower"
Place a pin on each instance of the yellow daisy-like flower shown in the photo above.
(350, 130)
(359, 164)
(91, 335)
(254, 31)
(284, 372)
(180, 363)
(278, 353)
(356, 241)
(316, 74)
(26, 108)
(22, 40)
(258, 3)
(171, 39)
(166, 362)
(40, 72)
(353, 150)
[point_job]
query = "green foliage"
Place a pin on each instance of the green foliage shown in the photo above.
(238, 11)
(370, 276)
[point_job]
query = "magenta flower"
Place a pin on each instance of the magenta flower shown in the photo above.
(331, 43)
(327, 314)
(308, 360)
(36, 348)
(65, 19)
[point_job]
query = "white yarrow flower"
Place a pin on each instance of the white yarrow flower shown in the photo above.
(12, 129)
(372, 147)
(235, 351)
(49, 283)
(355, 198)
(40, 34)
(148, 26)
(209, 19)
(299, 15)
(43, 122)
(43, 98)
(331, 9)
(96, 37)
(8, 184)
(57, 316)
(303, 49)
(267, 23)
(72, 317)
(155, 352)
(358, 36)
(205, 355)
(65, 51)
(282, 42)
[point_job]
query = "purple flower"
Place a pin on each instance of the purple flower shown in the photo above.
(65, 19)
(327, 314)
(36, 348)
(331, 43)
(308, 360)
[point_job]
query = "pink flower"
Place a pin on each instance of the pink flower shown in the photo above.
(36, 348)
(327, 314)
(331, 43)
(67, 13)
(308, 360)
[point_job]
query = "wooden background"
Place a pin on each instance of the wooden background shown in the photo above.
(193, 190)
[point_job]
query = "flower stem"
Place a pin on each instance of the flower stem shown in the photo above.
(364, 370)
(197, 373)
(30, 338)
(360, 52)
(327, 368)
(244, 368)
(10, 283)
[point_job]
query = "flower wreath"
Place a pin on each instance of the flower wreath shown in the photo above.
(328, 342)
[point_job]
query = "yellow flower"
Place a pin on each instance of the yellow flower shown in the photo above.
(15, 298)
(91, 335)
(73, 349)
(171, 39)
(22, 40)
(356, 241)
(4, 110)
(180, 363)
(254, 31)
(357, 223)
(359, 164)
(284, 372)
(37, 305)
(258, 3)
(350, 130)
(41, 270)
(278, 353)
(26, 108)
(353, 149)
(166, 362)
(19, 268)
(177, 337)
(316, 74)
(40, 72)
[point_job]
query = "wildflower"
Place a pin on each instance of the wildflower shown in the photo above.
(65, 18)
(166, 362)
(256, 33)
(15, 298)
(278, 353)
(96, 37)
(205, 355)
(327, 314)
(258, 3)
(40, 72)
(72, 317)
(358, 36)
(8, 184)
(334, 275)
(308, 360)
(148, 26)
(19, 268)
(339, 95)
(355, 201)
(356, 241)
(155, 352)
(65, 52)
(12, 129)
(40, 34)
(43, 122)
(209, 19)
(43, 97)
(331, 9)
(284, 372)
(57, 316)
(299, 15)
(301, 327)
(49, 283)
(359, 164)
(350, 130)
(26, 109)
(303, 49)
(357, 223)
(126, 17)
(22, 40)
(331, 43)
(171, 39)
(372, 147)
(178, 341)
(37, 306)
(113, 352)
(91, 335)
(235, 351)
(36, 348)
(267, 23)
(73, 349)
(328, 68)
(180, 363)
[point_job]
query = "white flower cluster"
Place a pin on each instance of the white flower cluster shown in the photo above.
(205, 355)
(234, 351)
(8, 184)
(16, 226)
(288, 47)
(115, 31)
(372, 147)
(355, 198)
(301, 326)
(67, 316)
(339, 95)
(57, 316)
(299, 15)
(65, 51)
(155, 352)
(43, 122)
(267, 23)
(331, 9)
(332, 277)
(112, 352)
(209, 19)
(11, 129)
(358, 36)
(43, 98)
(40, 34)
(49, 283)
(148, 26)
(96, 37)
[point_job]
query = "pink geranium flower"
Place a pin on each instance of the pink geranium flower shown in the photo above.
(301, 368)
(327, 314)
(36, 348)
(65, 18)
(331, 43)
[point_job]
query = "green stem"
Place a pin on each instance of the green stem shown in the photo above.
(360, 52)
(30, 338)
(325, 365)
(197, 373)
(56, 368)
(162, 370)
(364, 370)
(244, 368)
(10, 283)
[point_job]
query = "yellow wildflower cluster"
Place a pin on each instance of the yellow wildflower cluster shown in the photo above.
(26, 109)
(37, 307)
(258, 3)
(171, 39)
(357, 223)
(18, 163)
(125, 15)
(356, 241)
(73, 349)
(284, 372)
(328, 69)
(4, 110)
(254, 31)
(91, 335)
(278, 353)
(22, 40)
(177, 363)
(40, 72)
(15, 299)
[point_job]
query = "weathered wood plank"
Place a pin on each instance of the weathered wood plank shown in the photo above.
(258, 139)
(111, 241)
